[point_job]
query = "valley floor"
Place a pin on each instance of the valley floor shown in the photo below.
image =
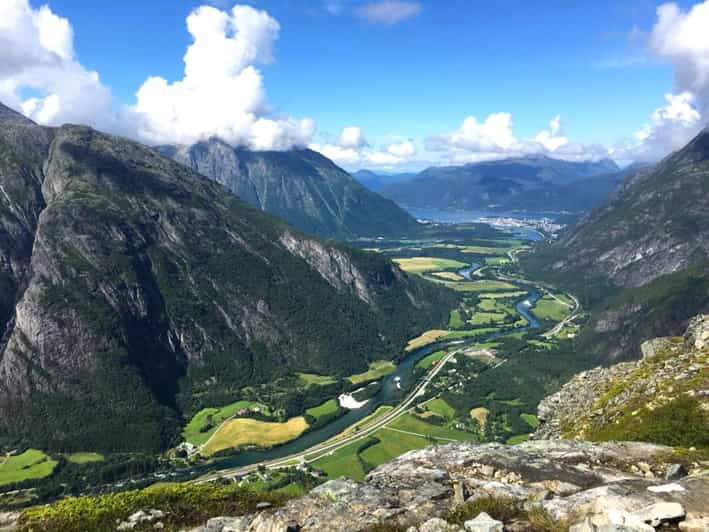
(470, 381)
(507, 344)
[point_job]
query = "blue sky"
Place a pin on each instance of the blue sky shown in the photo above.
(421, 76)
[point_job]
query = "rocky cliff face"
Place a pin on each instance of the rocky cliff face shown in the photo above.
(134, 288)
(300, 186)
(657, 224)
(534, 486)
(663, 397)
(639, 264)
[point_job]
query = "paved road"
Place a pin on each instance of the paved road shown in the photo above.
(330, 446)
(574, 314)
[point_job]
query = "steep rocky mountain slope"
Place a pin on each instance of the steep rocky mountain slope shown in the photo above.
(300, 186)
(658, 223)
(525, 183)
(663, 398)
(640, 263)
(134, 289)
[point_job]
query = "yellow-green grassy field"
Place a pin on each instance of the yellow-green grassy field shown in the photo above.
(377, 369)
(30, 464)
(312, 379)
(244, 431)
(448, 276)
(424, 339)
(427, 264)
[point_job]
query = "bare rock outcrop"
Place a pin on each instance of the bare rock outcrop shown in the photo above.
(595, 401)
(579, 483)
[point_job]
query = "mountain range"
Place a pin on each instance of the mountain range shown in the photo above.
(536, 183)
(301, 186)
(135, 290)
(378, 180)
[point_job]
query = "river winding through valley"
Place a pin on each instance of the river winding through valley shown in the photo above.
(388, 392)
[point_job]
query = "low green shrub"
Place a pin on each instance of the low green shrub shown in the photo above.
(183, 504)
(681, 422)
(503, 509)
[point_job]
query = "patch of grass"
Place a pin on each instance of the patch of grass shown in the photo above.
(311, 379)
(184, 505)
(448, 276)
(244, 431)
(548, 308)
(682, 422)
(379, 412)
(410, 423)
(453, 335)
(31, 464)
(482, 286)
(455, 321)
(294, 489)
(541, 521)
(498, 247)
(517, 438)
(342, 463)
(325, 409)
(502, 295)
(428, 361)
(84, 458)
(392, 444)
(205, 422)
(530, 419)
(511, 402)
(496, 261)
(541, 344)
(377, 370)
(488, 318)
(440, 407)
(503, 509)
(424, 339)
(428, 264)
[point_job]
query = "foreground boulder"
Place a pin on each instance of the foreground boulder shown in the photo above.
(589, 486)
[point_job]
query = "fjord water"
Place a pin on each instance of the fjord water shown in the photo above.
(387, 392)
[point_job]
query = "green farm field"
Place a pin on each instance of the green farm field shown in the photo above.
(377, 370)
(325, 409)
(31, 464)
(193, 432)
(428, 264)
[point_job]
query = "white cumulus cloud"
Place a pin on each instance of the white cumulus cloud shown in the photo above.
(389, 12)
(494, 138)
(39, 74)
(680, 38)
(351, 137)
(222, 91)
(670, 128)
(351, 150)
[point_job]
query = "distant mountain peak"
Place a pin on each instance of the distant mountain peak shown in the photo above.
(697, 150)
(300, 185)
(10, 116)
